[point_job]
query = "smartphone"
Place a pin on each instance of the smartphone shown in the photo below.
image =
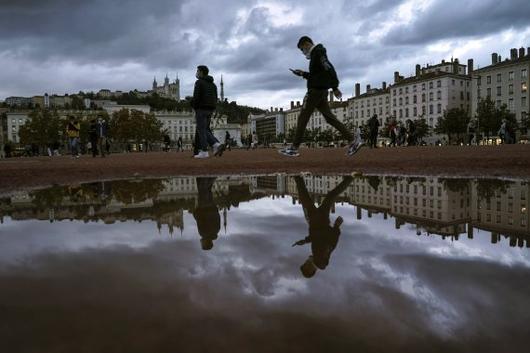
(293, 71)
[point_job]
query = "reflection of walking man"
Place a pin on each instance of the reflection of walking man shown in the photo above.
(206, 214)
(322, 236)
(320, 78)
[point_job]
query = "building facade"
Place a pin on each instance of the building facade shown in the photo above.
(268, 126)
(167, 90)
(504, 82)
(374, 101)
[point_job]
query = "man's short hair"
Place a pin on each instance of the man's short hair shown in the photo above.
(204, 69)
(304, 39)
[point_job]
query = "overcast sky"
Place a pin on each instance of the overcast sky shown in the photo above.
(64, 46)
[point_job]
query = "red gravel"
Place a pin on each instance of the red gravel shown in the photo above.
(494, 161)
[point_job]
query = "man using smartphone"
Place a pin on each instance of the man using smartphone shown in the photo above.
(320, 78)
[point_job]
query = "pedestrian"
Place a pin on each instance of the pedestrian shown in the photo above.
(228, 140)
(167, 142)
(204, 102)
(411, 133)
(320, 78)
(93, 137)
(72, 132)
(470, 132)
(357, 139)
(102, 130)
(7, 150)
(179, 144)
(392, 131)
(254, 140)
(373, 126)
(249, 141)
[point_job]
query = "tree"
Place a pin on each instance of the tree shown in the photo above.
(454, 122)
(127, 126)
(43, 128)
(422, 128)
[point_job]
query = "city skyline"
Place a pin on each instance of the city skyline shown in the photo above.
(88, 46)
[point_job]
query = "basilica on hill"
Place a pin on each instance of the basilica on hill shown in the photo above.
(167, 90)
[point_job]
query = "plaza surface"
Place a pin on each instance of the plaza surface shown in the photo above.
(483, 161)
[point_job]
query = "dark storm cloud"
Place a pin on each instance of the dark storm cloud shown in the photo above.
(443, 20)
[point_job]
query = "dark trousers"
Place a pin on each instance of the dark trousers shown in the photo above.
(204, 136)
(373, 139)
(317, 99)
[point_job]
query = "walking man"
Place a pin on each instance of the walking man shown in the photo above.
(320, 78)
(373, 125)
(228, 140)
(204, 102)
(93, 136)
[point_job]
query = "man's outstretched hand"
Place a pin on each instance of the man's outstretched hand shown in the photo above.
(298, 72)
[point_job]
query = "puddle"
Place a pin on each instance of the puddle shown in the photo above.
(267, 264)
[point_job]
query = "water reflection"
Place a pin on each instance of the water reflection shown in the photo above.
(121, 266)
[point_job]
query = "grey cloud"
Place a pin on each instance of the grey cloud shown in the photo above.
(474, 18)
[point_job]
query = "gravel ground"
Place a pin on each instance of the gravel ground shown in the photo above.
(485, 161)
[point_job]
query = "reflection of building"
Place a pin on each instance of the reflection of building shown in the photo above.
(446, 207)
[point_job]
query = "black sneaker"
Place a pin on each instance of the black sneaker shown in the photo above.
(290, 152)
(354, 148)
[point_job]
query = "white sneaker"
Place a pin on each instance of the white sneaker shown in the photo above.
(202, 155)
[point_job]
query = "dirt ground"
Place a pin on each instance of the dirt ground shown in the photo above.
(494, 161)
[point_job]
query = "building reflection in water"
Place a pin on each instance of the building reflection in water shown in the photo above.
(446, 207)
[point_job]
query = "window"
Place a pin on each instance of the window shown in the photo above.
(478, 93)
(431, 96)
(462, 95)
(415, 99)
(414, 88)
(423, 86)
(431, 84)
(431, 109)
(407, 89)
(488, 80)
(407, 100)
(510, 89)
(523, 87)
(499, 77)
(523, 102)
(510, 76)
(439, 83)
(423, 110)
(524, 74)
(499, 91)
(406, 112)
(423, 97)
(453, 82)
(394, 101)
(488, 92)
(439, 95)
(439, 108)
(479, 81)
(510, 104)
(400, 90)
(400, 101)
(415, 111)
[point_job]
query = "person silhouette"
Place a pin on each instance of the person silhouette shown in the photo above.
(322, 236)
(206, 213)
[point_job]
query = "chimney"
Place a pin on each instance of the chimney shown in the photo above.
(521, 52)
(384, 85)
(528, 53)
(396, 76)
(418, 70)
(272, 109)
(330, 96)
(470, 67)
(368, 88)
(298, 103)
(281, 110)
(357, 89)
(513, 54)
(494, 58)
(292, 104)
(276, 110)
(500, 59)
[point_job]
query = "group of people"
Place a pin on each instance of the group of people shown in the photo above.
(97, 134)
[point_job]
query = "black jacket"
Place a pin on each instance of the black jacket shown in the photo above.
(321, 73)
(204, 94)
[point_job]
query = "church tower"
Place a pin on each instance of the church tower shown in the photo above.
(222, 90)
(155, 84)
(177, 88)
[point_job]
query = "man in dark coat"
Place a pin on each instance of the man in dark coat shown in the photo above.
(204, 102)
(320, 78)
(373, 125)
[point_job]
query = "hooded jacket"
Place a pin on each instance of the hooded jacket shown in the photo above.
(204, 94)
(321, 73)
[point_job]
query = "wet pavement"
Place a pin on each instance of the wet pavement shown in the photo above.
(267, 264)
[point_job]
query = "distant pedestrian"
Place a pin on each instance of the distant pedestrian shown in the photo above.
(167, 142)
(255, 141)
(179, 144)
(7, 150)
(471, 132)
(373, 127)
(102, 131)
(72, 132)
(249, 141)
(320, 78)
(93, 137)
(392, 131)
(411, 133)
(204, 102)
(228, 140)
